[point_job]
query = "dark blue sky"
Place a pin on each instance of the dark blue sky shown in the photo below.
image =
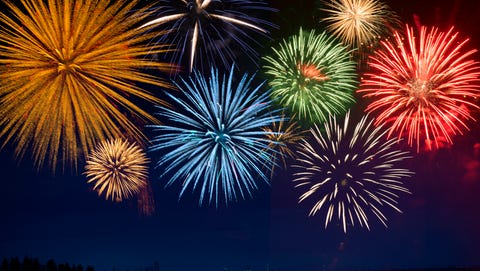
(60, 217)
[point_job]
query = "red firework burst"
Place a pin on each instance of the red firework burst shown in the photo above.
(423, 87)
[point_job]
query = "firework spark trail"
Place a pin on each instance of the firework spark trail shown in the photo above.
(353, 173)
(217, 143)
(423, 86)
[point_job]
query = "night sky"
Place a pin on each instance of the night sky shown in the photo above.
(60, 217)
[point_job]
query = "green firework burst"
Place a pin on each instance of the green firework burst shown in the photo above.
(312, 75)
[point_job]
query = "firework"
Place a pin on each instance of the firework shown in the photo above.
(217, 143)
(208, 31)
(312, 76)
(359, 23)
(423, 86)
(118, 168)
(67, 73)
(350, 174)
(284, 135)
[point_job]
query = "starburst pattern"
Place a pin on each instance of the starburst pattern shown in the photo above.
(312, 76)
(68, 70)
(359, 23)
(118, 169)
(216, 143)
(350, 173)
(423, 86)
(209, 32)
(284, 136)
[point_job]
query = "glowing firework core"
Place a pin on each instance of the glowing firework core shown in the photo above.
(310, 71)
(340, 171)
(116, 166)
(419, 89)
(196, 7)
(220, 136)
(65, 62)
(357, 15)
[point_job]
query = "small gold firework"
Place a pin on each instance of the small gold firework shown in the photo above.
(118, 169)
(283, 135)
(68, 70)
(359, 23)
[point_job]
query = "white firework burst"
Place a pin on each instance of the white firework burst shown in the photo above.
(350, 174)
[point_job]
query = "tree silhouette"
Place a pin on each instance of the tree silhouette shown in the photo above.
(33, 264)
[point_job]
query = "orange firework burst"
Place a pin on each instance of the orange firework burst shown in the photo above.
(423, 86)
(118, 169)
(68, 70)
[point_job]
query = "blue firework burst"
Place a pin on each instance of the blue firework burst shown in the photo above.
(208, 32)
(216, 142)
(350, 173)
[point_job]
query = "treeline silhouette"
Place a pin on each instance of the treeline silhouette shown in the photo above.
(33, 264)
(473, 268)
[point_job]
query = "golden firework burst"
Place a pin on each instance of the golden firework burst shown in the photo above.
(69, 71)
(360, 23)
(118, 169)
